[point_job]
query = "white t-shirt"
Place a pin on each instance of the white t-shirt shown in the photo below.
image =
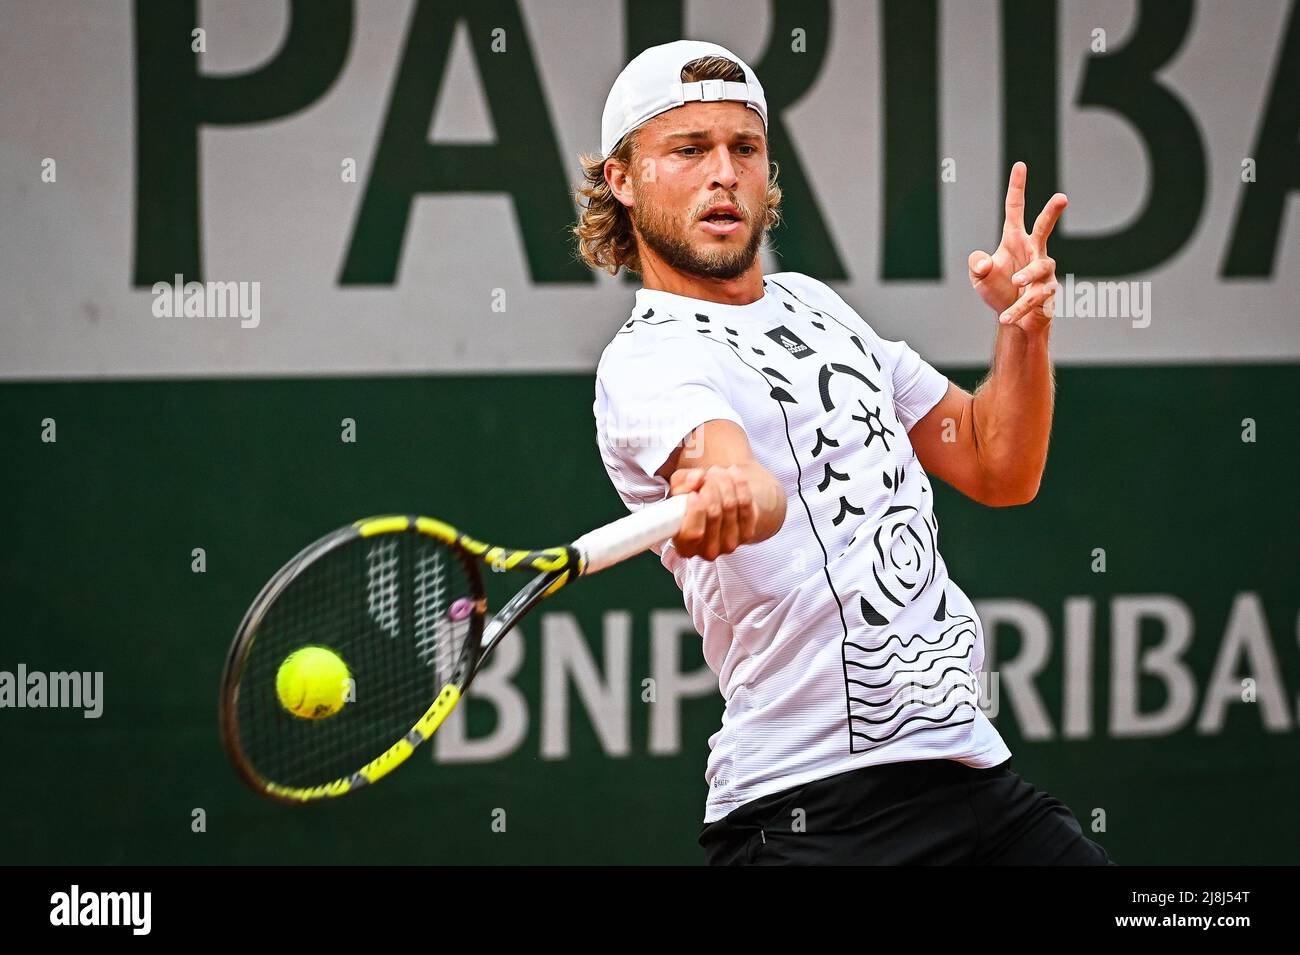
(839, 642)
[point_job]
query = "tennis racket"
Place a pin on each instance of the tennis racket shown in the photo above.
(400, 601)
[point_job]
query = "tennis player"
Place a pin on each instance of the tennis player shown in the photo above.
(847, 656)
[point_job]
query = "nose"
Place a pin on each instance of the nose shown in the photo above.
(722, 172)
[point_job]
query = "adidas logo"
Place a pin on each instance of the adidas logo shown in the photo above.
(789, 341)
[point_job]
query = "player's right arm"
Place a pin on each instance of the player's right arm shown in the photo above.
(734, 500)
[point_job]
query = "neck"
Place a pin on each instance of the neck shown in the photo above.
(742, 290)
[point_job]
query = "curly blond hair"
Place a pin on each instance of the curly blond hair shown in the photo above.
(606, 239)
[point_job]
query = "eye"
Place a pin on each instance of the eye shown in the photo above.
(752, 149)
(685, 148)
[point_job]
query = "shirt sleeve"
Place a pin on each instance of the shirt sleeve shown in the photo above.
(654, 386)
(918, 386)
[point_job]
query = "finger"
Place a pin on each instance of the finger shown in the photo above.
(688, 536)
(745, 506)
(1046, 220)
(979, 263)
(713, 526)
(1029, 299)
(1022, 305)
(1032, 298)
(1040, 315)
(729, 528)
(1016, 198)
(1039, 270)
(1048, 309)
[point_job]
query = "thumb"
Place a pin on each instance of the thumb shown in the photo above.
(685, 480)
(979, 263)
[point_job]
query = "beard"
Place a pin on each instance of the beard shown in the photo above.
(727, 260)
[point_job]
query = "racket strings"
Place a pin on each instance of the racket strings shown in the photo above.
(395, 609)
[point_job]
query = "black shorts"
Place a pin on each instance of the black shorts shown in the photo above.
(920, 812)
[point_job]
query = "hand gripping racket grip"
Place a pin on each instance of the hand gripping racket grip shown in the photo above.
(629, 536)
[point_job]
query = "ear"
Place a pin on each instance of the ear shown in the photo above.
(619, 182)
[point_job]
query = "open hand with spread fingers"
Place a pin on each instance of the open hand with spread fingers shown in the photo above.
(1018, 281)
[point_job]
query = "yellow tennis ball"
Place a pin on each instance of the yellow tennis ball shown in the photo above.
(313, 683)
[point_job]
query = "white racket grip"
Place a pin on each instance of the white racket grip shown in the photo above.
(629, 536)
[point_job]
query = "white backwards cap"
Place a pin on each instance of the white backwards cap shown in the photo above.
(652, 84)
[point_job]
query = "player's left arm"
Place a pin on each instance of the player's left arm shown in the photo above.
(992, 445)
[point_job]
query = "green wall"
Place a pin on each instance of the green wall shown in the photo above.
(96, 568)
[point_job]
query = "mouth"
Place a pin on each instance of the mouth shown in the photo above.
(721, 220)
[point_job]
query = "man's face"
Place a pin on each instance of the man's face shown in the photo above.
(689, 160)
